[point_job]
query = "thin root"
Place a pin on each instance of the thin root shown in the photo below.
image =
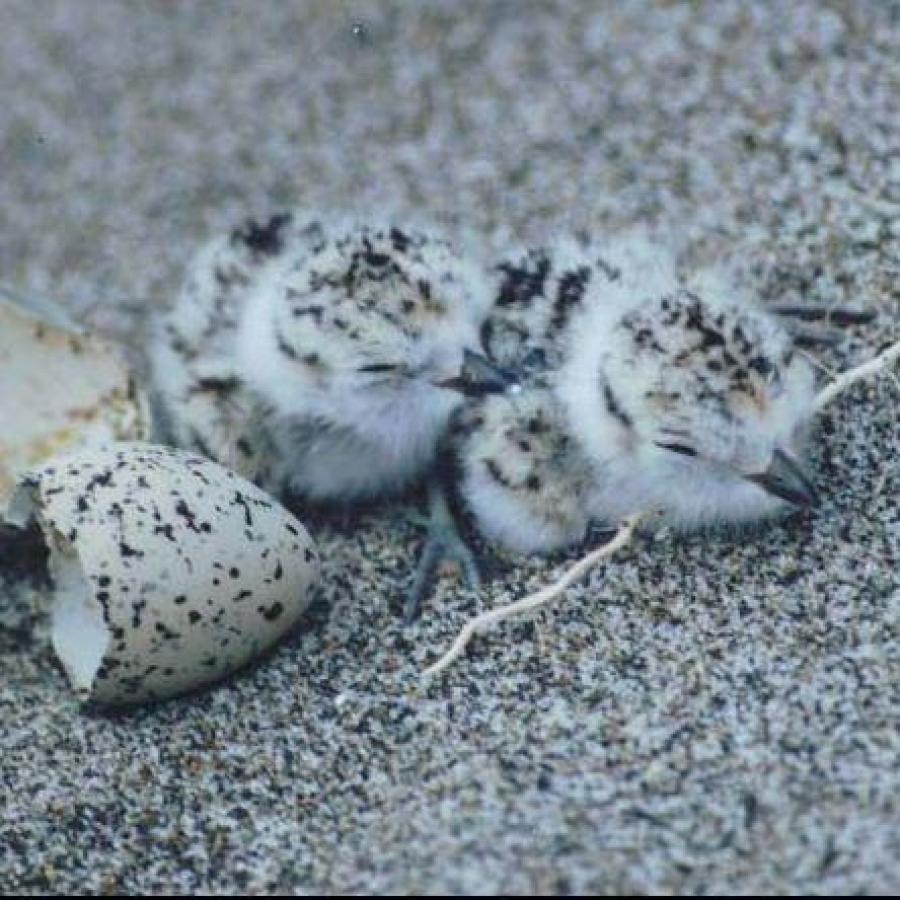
(622, 537)
(842, 382)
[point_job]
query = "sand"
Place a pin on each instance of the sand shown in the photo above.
(701, 715)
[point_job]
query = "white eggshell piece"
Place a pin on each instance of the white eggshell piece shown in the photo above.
(59, 389)
(170, 571)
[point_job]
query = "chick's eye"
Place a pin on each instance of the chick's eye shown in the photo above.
(534, 359)
(682, 449)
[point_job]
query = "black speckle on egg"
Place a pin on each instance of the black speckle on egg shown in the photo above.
(241, 500)
(103, 480)
(271, 613)
(186, 513)
(168, 633)
(165, 531)
(126, 551)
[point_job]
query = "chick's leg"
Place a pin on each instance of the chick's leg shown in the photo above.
(443, 543)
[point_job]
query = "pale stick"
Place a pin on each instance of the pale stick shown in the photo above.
(532, 601)
(878, 363)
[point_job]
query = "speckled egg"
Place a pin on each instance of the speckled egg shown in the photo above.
(60, 389)
(170, 572)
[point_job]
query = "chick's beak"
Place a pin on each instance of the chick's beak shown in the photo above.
(785, 479)
(478, 376)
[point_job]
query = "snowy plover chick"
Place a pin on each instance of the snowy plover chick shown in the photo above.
(511, 452)
(521, 473)
(324, 360)
(537, 291)
(687, 398)
(665, 393)
(320, 359)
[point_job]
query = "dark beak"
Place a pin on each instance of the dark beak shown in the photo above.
(785, 479)
(478, 377)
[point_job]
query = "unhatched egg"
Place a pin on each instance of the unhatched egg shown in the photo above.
(170, 571)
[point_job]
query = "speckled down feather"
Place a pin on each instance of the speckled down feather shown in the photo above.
(308, 354)
(654, 392)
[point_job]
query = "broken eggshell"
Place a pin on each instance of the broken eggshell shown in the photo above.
(60, 388)
(170, 572)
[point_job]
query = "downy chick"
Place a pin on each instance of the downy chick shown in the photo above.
(658, 393)
(311, 356)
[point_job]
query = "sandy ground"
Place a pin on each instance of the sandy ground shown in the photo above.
(701, 716)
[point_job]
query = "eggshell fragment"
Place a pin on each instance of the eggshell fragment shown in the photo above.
(170, 571)
(59, 389)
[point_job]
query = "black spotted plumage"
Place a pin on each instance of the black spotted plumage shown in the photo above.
(284, 329)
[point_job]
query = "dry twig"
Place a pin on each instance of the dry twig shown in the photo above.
(878, 363)
(532, 601)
